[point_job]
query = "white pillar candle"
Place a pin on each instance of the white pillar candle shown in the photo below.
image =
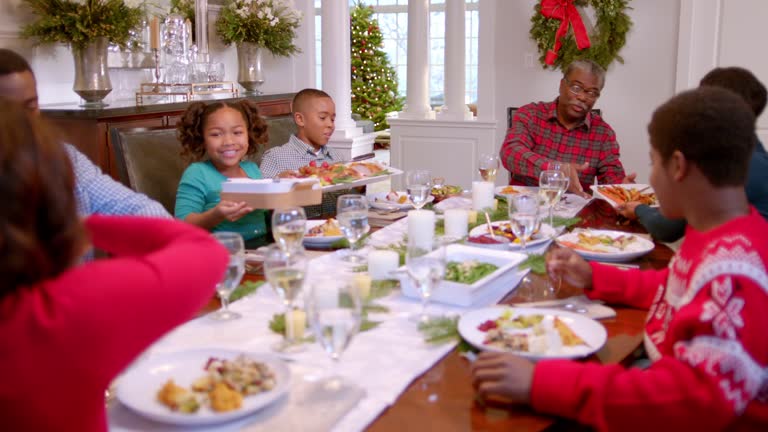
(456, 223)
(296, 324)
(381, 263)
(362, 283)
(482, 195)
(421, 228)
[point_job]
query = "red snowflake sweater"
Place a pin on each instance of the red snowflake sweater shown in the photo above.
(706, 332)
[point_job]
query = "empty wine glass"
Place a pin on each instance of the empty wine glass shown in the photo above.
(334, 310)
(523, 215)
(233, 242)
(488, 164)
(426, 268)
(552, 184)
(285, 271)
(352, 214)
(288, 228)
(418, 183)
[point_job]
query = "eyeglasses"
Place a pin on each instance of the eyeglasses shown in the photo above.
(578, 89)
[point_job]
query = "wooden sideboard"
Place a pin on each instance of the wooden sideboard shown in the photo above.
(88, 129)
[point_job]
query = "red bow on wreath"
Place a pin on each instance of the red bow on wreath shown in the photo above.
(565, 11)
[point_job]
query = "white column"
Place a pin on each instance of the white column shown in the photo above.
(455, 107)
(337, 79)
(417, 87)
(486, 68)
(348, 139)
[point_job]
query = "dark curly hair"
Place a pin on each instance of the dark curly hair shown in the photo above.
(740, 81)
(713, 127)
(189, 129)
(41, 234)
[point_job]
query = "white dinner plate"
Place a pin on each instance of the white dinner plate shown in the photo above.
(633, 186)
(589, 330)
(639, 247)
(138, 387)
(319, 240)
(545, 233)
(379, 200)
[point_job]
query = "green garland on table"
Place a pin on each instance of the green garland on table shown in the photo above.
(606, 40)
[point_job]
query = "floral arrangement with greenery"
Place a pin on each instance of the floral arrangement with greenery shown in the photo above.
(270, 24)
(79, 22)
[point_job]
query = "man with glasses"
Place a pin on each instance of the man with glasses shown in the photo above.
(567, 132)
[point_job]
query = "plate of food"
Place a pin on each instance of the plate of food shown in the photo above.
(623, 193)
(468, 272)
(535, 333)
(505, 238)
(446, 191)
(606, 245)
(339, 176)
(322, 232)
(392, 200)
(204, 386)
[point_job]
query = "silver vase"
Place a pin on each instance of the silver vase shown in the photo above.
(250, 73)
(91, 73)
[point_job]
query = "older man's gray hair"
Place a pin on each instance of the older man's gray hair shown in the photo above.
(587, 66)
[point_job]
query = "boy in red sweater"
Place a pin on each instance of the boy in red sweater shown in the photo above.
(706, 326)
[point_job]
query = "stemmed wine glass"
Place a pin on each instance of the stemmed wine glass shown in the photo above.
(334, 310)
(233, 242)
(419, 185)
(552, 184)
(566, 170)
(523, 215)
(352, 214)
(288, 228)
(488, 164)
(426, 267)
(285, 271)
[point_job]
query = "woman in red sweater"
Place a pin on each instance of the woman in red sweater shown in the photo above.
(706, 326)
(67, 330)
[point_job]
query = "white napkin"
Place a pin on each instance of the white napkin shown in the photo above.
(595, 309)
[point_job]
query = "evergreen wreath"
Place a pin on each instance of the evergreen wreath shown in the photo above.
(606, 40)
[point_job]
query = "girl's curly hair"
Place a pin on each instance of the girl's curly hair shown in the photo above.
(41, 234)
(189, 130)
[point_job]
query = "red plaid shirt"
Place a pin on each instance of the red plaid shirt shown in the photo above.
(537, 137)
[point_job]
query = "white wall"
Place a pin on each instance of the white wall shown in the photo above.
(722, 33)
(632, 90)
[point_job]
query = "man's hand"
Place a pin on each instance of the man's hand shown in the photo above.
(503, 375)
(567, 264)
(629, 179)
(574, 185)
(232, 211)
(628, 209)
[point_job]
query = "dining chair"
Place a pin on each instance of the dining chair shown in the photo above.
(148, 160)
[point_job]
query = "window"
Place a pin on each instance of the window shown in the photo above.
(392, 16)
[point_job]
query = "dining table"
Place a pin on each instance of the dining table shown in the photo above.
(443, 398)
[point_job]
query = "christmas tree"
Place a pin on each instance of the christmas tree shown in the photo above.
(374, 82)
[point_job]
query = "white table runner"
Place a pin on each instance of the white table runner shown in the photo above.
(382, 361)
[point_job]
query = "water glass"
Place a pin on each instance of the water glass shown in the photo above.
(524, 215)
(233, 242)
(352, 214)
(426, 268)
(286, 271)
(488, 164)
(334, 310)
(418, 184)
(288, 228)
